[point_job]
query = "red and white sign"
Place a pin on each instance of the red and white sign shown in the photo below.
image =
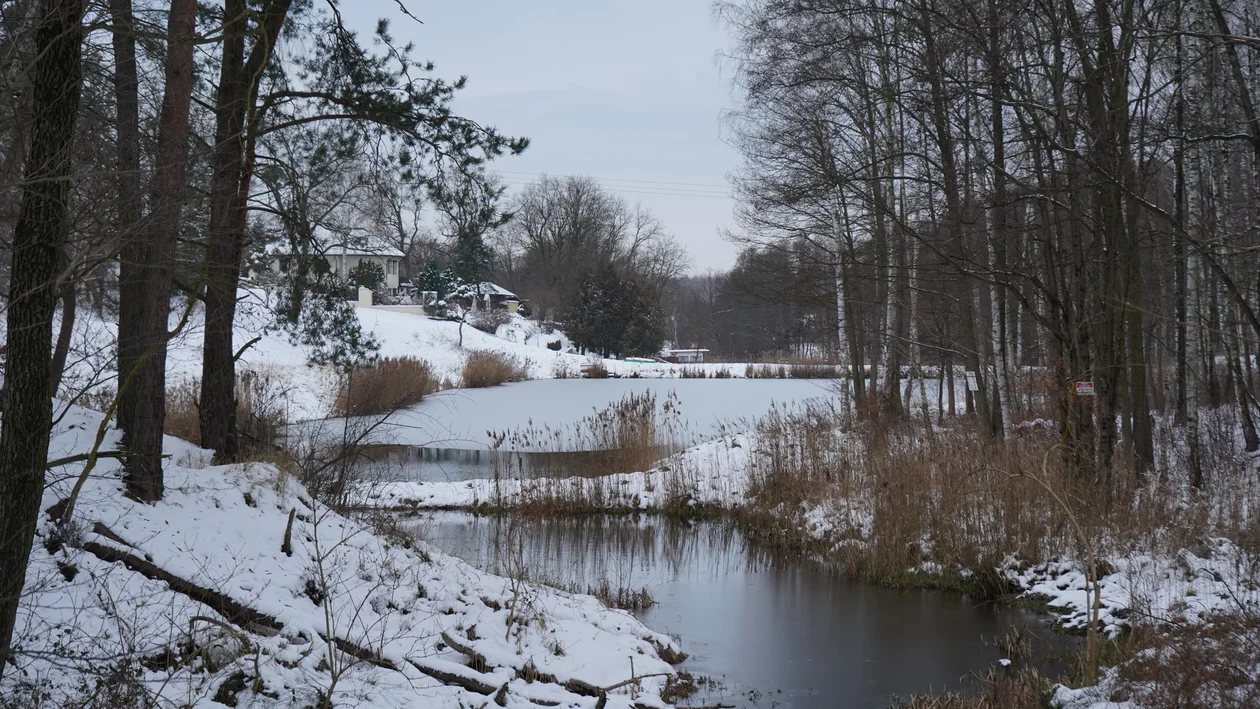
(1084, 388)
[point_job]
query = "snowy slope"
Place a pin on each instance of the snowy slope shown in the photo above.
(310, 390)
(88, 625)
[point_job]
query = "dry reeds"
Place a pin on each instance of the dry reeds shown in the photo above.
(898, 503)
(388, 385)
(800, 370)
(487, 368)
(183, 411)
(1003, 689)
(594, 369)
(261, 398)
(628, 435)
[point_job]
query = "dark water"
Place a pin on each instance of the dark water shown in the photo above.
(772, 632)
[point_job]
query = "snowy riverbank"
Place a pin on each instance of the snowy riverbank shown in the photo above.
(209, 596)
(1189, 584)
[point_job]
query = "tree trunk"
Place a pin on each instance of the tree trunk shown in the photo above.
(233, 172)
(954, 218)
(150, 303)
(69, 307)
(218, 375)
(38, 236)
(127, 106)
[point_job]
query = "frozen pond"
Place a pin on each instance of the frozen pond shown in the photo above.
(461, 418)
(772, 632)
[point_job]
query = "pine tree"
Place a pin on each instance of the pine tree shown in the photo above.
(474, 259)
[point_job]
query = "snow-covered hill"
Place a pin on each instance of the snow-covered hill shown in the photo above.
(310, 390)
(209, 598)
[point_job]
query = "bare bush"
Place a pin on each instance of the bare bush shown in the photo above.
(388, 385)
(486, 368)
(261, 400)
(183, 415)
(489, 320)
(594, 369)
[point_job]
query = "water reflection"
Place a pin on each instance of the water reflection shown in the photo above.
(774, 631)
(417, 464)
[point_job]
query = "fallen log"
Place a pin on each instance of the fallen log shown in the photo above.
(586, 689)
(477, 661)
(453, 679)
(237, 613)
(361, 654)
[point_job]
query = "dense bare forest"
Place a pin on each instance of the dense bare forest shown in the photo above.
(1042, 193)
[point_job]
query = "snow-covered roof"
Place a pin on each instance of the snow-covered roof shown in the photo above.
(353, 244)
(488, 288)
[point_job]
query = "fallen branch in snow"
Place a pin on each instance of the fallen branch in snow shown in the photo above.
(235, 612)
(83, 457)
(471, 684)
(102, 530)
(361, 654)
(634, 679)
(479, 662)
(286, 547)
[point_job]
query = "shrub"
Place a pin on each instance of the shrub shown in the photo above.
(260, 412)
(486, 368)
(813, 371)
(594, 369)
(488, 321)
(183, 411)
(554, 346)
(392, 383)
(368, 274)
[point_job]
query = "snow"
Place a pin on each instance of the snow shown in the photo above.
(560, 412)
(309, 391)
(706, 474)
(221, 527)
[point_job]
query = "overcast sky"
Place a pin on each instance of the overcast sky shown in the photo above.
(629, 92)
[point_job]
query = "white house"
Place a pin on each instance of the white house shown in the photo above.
(345, 253)
(686, 356)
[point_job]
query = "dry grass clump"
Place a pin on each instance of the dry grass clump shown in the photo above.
(594, 369)
(1025, 688)
(765, 371)
(183, 411)
(798, 370)
(1195, 666)
(899, 499)
(622, 597)
(486, 368)
(261, 398)
(813, 371)
(701, 372)
(388, 385)
(628, 435)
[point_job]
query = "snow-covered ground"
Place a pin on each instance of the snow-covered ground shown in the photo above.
(309, 391)
(711, 474)
(91, 623)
